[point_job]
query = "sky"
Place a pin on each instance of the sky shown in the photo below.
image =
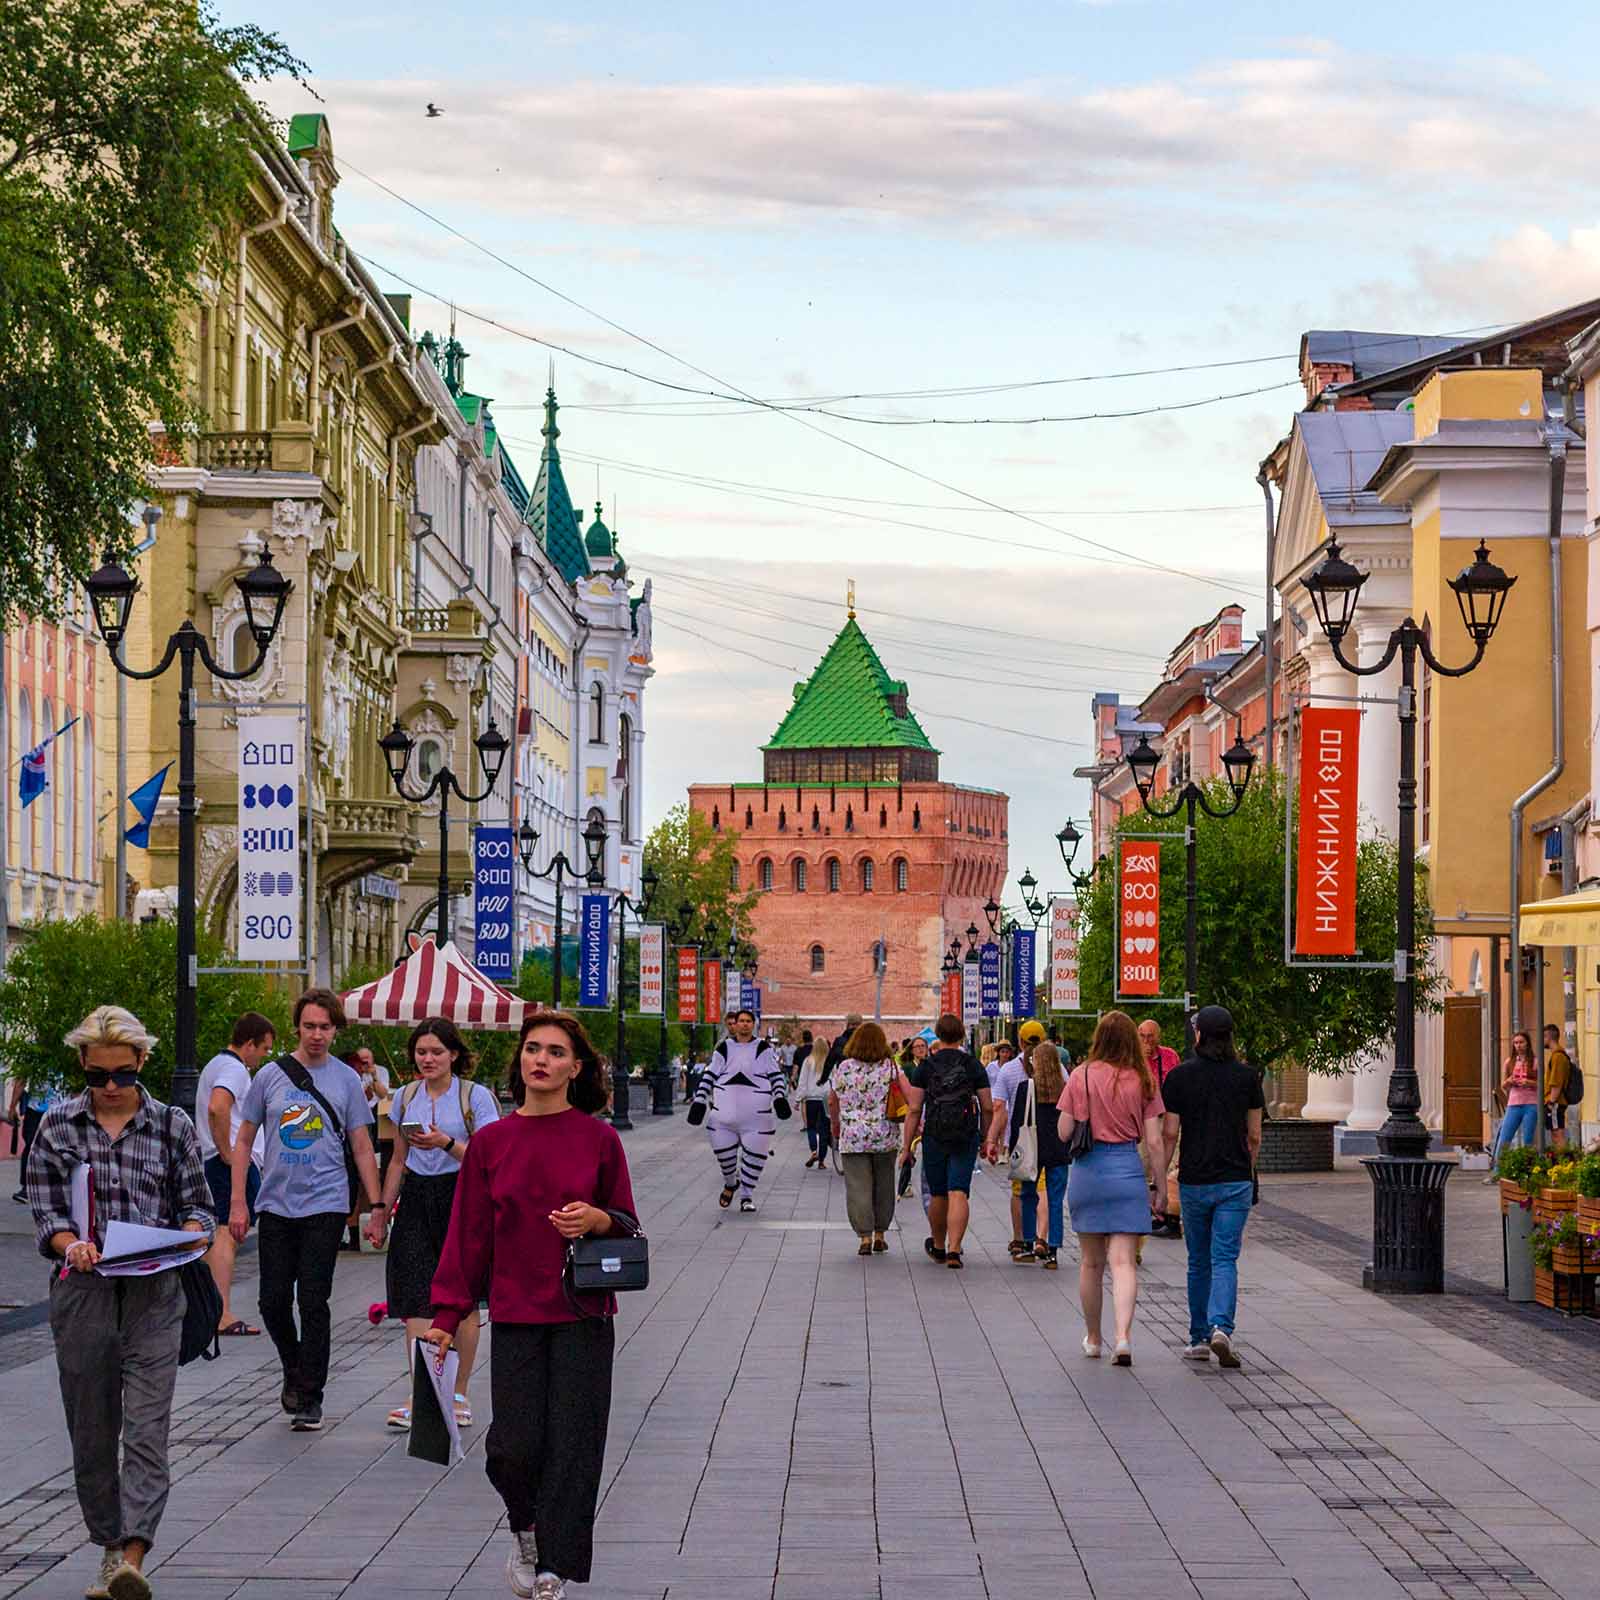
(1036, 210)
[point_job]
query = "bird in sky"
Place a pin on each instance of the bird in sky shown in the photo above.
(435, 111)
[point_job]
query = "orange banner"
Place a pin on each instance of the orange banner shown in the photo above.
(1325, 894)
(688, 985)
(1139, 916)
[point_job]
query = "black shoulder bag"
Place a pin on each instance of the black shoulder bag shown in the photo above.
(1082, 1140)
(202, 1300)
(614, 1263)
(295, 1071)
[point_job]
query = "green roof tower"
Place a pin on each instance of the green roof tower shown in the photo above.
(550, 514)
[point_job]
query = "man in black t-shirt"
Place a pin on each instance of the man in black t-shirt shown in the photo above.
(1215, 1100)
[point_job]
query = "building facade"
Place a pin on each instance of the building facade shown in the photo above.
(853, 840)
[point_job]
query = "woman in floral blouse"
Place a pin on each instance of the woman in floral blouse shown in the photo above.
(858, 1105)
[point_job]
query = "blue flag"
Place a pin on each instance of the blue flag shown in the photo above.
(144, 800)
(35, 777)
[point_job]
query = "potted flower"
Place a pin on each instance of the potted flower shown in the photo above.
(1564, 1266)
(1589, 1192)
(1515, 1168)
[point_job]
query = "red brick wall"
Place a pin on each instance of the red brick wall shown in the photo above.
(953, 841)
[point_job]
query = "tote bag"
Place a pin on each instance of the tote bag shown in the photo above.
(1025, 1152)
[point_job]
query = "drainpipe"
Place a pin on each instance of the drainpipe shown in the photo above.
(1556, 443)
(1268, 645)
(1571, 821)
(236, 407)
(314, 401)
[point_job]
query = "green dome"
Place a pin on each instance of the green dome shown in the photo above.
(598, 540)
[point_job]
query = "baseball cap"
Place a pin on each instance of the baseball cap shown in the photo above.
(1211, 1021)
(1031, 1031)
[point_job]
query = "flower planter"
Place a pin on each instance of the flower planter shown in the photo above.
(1565, 1258)
(1589, 1213)
(1511, 1194)
(1551, 1205)
(1563, 1291)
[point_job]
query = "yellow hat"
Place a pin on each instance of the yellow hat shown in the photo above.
(1031, 1031)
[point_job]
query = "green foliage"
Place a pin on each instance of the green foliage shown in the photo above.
(125, 158)
(1324, 1020)
(694, 896)
(63, 970)
(1589, 1176)
(1518, 1163)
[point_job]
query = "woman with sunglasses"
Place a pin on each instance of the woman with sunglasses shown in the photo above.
(116, 1339)
(550, 1172)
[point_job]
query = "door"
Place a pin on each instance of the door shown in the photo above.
(1463, 1069)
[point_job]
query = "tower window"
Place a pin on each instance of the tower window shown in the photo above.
(834, 875)
(764, 873)
(800, 877)
(818, 961)
(902, 875)
(867, 875)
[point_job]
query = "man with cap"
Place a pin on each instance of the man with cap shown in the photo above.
(1008, 1078)
(1216, 1102)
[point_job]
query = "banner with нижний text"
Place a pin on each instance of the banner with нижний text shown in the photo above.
(689, 985)
(713, 991)
(491, 903)
(1022, 948)
(594, 950)
(652, 973)
(1066, 994)
(1139, 918)
(269, 838)
(1325, 893)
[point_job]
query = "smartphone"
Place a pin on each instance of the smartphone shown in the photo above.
(409, 1129)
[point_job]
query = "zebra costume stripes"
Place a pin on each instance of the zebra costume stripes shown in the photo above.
(742, 1088)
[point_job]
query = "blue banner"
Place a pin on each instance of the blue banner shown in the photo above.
(493, 918)
(1022, 972)
(752, 998)
(989, 979)
(594, 950)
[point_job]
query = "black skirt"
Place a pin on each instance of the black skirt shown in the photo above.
(417, 1241)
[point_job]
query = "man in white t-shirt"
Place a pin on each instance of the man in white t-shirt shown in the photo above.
(1008, 1078)
(224, 1082)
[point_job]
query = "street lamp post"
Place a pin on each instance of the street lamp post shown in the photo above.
(1408, 1189)
(673, 932)
(1238, 762)
(397, 746)
(594, 842)
(1068, 839)
(619, 1065)
(265, 592)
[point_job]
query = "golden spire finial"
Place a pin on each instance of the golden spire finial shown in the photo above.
(852, 600)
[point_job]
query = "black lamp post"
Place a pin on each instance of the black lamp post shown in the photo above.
(1238, 762)
(559, 868)
(1408, 1190)
(1068, 839)
(397, 746)
(265, 592)
(619, 1065)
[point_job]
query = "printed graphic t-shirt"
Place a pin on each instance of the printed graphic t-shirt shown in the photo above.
(303, 1173)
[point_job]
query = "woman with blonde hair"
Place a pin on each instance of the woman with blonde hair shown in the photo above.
(813, 1095)
(117, 1339)
(858, 1105)
(1108, 1189)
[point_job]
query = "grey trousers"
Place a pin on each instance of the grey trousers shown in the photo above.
(117, 1354)
(869, 1189)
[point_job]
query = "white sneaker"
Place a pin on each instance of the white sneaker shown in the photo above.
(522, 1565)
(1091, 1348)
(1197, 1352)
(1222, 1349)
(550, 1587)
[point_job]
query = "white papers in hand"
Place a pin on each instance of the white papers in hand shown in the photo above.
(133, 1250)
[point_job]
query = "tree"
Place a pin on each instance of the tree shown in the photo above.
(63, 970)
(1326, 1021)
(126, 154)
(694, 866)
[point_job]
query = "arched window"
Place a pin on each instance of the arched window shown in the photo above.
(783, 820)
(733, 874)
(867, 875)
(849, 819)
(716, 819)
(883, 816)
(818, 960)
(749, 818)
(764, 872)
(816, 819)
(902, 875)
(430, 757)
(25, 744)
(800, 877)
(835, 877)
(625, 775)
(597, 714)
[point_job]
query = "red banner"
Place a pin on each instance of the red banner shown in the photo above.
(688, 985)
(1325, 894)
(1139, 952)
(950, 996)
(713, 991)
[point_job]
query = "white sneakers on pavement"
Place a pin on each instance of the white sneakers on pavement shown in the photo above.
(1197, 1352)
(1091, 1348)
(550, 1587)
(522, 1565)
(1222, 1349)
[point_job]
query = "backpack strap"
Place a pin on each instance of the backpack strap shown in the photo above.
(464, 1095)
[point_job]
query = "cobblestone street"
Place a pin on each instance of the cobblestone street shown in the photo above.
(791, 1420)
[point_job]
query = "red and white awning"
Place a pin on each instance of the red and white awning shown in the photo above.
(432, 982)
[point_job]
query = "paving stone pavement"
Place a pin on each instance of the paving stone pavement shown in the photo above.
(791, 1420)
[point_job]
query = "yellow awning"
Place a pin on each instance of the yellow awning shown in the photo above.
(1567, 919)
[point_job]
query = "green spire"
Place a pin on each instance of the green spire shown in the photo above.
(598, 541)
(550, 514)
(850, 702)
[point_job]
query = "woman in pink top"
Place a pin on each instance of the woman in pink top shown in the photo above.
(1519, 1077)
(1108, 1190)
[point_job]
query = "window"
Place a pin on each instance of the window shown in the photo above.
(818, 961)
(597, 714)
(835, 877)
(240, 653)
(625, 774)
(883, 816)
(25, 744)
(783, 820)
(816, 820)
(849, 819)
(749, 818)
(716, 819)
(916, 819)
(733, 874)
(430, 757)
(764, 872)
(902, 875)
(867, 875)
(800, 877)
(87, 842)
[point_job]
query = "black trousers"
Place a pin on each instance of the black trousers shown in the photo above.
(550, 1384)
(297, 1256)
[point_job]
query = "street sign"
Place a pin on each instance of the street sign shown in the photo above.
(1066, 993)
(652, 974)
(1022, 992)
(269, 838)
(1139, 918)
(492, 892)
(594, 950)
(989, 978)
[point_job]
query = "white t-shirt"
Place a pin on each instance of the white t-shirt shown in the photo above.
(224, 1071)
(1006, 1081)
(415, 1104)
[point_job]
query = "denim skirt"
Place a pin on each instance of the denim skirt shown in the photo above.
(1107, 1191)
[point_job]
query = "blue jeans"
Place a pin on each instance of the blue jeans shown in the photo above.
(1517, 1120)
(1055, 1194)
(1214, 1215)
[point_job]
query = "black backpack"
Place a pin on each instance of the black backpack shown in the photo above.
(951, 1116)
(1574, 1089)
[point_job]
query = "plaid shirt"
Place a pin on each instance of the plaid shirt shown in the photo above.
(136, 1176)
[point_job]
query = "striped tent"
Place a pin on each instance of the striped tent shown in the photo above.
(434, 982)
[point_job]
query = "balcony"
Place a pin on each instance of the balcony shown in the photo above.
(287, 447)
(375, 832)
(459, 619)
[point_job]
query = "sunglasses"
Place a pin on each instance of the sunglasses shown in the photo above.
(98, 1078)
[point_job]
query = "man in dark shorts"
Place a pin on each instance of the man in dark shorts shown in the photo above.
(950, 1102)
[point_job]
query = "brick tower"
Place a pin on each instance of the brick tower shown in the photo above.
(851, 837)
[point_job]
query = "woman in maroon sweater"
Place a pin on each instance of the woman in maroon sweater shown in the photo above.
(531, 1181)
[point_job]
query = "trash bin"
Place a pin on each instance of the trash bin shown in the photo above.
(1518, 1225)
(1407, 1224)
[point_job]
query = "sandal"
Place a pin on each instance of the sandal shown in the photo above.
(463, 1412)
(952, 1258)
(933, 1250)
(725, 1199)
(879, 1244)
(865, 1248)
(238, 1329)
(400, 1418)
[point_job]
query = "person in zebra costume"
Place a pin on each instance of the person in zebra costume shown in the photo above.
(741, 1098)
